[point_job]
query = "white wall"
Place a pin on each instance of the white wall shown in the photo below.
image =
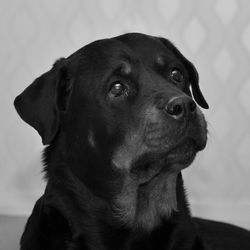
(215, 35)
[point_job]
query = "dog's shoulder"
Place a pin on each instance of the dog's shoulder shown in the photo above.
(219, 235)
(45, 226)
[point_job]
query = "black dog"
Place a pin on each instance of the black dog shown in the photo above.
(121, 124)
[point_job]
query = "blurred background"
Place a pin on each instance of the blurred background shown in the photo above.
(214, 35)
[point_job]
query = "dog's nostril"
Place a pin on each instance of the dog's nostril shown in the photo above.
(180, 106)
(174, 109)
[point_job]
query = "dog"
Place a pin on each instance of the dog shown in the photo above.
(122, 118)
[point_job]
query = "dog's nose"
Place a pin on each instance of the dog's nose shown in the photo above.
(180, 107)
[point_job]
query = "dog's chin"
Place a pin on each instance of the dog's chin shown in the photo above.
(182, 154)
(150, 165)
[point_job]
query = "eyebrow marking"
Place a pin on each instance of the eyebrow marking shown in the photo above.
(160, 61)
(126, 68)
(123, 65)
(123, 69)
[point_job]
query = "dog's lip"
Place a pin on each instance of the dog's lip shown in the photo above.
(177, 158)
(183, 153)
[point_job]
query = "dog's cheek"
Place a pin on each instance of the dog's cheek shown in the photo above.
(157, 130)
(134, 143)
(152, 115)
(124, 155)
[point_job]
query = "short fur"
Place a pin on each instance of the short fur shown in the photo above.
(113, 164)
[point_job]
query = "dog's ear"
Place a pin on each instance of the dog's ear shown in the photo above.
(41, 102)
(194, 77)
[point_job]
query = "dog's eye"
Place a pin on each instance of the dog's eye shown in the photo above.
(176, 75)
(118, 89)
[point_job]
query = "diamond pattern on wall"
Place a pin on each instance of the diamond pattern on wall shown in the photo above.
(134, 24)
(168, 9)
(223, 64)
(226, 10)
(194, 35)
(222, 122)
(111, 8)
(244, 95)
(23, 20)
(55, 9)
(246, 37)
(79, 30)
(243, 152)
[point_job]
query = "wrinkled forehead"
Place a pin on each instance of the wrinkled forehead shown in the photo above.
(147, 48)
(128, 51)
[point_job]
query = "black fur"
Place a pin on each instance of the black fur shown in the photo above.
(94, 159)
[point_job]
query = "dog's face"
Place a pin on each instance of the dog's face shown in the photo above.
(123, 108)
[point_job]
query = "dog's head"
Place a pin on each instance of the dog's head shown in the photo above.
(126, 105)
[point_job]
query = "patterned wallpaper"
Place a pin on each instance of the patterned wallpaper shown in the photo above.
(214, 34)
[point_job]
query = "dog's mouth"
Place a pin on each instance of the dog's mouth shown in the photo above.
(182, 154)
(151, 165)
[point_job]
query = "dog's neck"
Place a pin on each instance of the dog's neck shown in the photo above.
(95, 211)
(72, 197)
